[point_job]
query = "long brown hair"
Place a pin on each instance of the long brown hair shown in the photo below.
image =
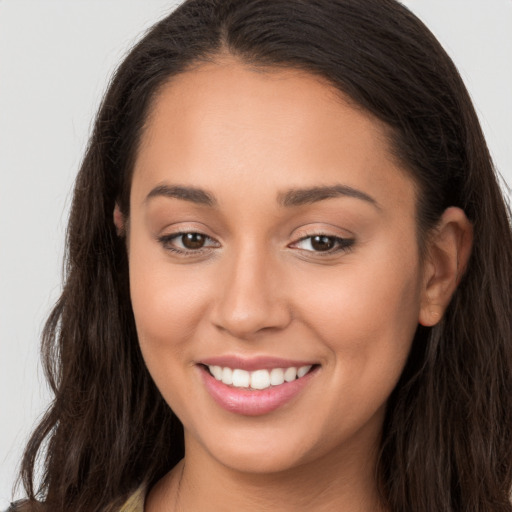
(447, 438)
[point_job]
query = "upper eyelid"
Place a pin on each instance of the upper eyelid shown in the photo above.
(184, 228)
(351, 240)
(172, 236)
(323, 233)
(302, 238)
(334, 231)
(307, 233)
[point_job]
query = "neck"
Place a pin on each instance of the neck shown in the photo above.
(345, 482)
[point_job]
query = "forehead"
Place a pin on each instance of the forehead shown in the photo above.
(284, 127)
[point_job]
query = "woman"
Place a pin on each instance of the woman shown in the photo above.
(289, 276)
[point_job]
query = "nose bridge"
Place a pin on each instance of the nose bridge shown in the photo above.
(249, 295)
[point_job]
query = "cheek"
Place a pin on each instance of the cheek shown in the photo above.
(367, 313)
(367, 319)
(168, 312)
(167, 303)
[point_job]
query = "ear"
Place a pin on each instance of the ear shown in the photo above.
(119, 221)
(448, 251)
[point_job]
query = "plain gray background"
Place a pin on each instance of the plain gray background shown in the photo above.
(55, 61)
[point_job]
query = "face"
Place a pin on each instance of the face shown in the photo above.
(274, 266)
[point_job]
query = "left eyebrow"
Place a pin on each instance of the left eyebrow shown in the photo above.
(302, 196)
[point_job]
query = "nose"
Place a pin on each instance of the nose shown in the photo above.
(251, 297)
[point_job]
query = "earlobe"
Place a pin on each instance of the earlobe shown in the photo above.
(119, 221)
(448, 252)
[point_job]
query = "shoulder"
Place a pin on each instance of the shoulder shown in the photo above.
(135, 503)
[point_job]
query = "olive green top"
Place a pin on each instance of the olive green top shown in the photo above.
(136, 502)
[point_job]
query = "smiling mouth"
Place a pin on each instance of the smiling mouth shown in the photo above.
(258, 379)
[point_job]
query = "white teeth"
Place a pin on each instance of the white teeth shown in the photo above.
(227, 376)
(241, 378)
(290, 374)
(258, 379)
(303, 370)
(216, 372)
(277, 377)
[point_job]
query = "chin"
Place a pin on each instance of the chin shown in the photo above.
(259, 461)
(260, 449)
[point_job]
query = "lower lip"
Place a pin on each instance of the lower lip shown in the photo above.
(253, 402)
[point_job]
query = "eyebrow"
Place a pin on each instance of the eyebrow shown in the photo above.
(192, 194)
(303, 196)
(290, 198)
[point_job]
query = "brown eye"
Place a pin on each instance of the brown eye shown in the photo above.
(188, 243)
(193, 240)
(323, 243)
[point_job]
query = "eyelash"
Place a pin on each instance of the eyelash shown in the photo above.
(166, 241)
(341, 244)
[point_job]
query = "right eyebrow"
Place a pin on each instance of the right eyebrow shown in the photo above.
(192, 194)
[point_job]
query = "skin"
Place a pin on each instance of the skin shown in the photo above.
(258, 287)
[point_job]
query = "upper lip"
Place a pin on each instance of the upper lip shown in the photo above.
(253, 363)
